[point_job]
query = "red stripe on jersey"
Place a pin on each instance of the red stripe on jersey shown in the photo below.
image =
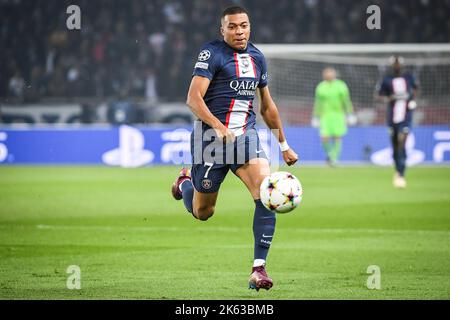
(406, 88)
(236, 64)
(254, 66)
(230, 109)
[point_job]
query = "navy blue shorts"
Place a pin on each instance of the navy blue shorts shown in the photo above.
(211, 160)
(402, 127)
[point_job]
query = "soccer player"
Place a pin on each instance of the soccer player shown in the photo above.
(400, 90)
(333, 109)
(226, 77)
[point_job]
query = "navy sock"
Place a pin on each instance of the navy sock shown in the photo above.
(263, 229)
(401, 160)
(402, 153)
(399, 152)
(395, 152)
(187, 190)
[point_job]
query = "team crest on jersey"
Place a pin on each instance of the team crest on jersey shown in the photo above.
(204, 55)
(244, 65)
(206, 184)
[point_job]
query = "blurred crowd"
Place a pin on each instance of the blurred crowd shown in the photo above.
(147, 48)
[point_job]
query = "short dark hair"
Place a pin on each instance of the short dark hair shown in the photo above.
(233, 10)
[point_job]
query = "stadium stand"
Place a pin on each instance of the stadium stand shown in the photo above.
(146, 49)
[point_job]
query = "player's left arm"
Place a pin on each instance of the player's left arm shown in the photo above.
(414, 93)
(346, 100)
(348, 105)
(271, 116)
(382, 91)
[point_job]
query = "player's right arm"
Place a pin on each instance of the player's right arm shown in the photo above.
(415, 91)
(197, 90)
(346, 100)
(317, 104)
(315, 121)
(382, 91)
(348, 105)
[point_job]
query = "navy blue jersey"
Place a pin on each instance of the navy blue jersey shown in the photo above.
(401, 89)
(235, 75)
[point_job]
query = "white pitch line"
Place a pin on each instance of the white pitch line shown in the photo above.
(228, 229)
(143, 229)
(239, 229)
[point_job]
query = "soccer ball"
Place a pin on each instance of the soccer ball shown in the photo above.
(281, 192)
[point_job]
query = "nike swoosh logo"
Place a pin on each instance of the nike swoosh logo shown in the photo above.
(245, 71)
(264, 236)
(259, 151)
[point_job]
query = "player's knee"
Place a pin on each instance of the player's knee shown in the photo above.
(204, 213)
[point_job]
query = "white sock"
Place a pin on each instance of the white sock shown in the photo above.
(259, 262)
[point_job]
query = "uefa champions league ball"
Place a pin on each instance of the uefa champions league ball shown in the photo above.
(281, 192)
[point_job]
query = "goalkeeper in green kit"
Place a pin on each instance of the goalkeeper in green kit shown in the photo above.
(333, 109)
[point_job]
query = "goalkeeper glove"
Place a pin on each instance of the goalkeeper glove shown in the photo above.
(351, 119)
(412, 105)
(315, 122)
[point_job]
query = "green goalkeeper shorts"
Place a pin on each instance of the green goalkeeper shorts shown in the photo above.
(333, 125)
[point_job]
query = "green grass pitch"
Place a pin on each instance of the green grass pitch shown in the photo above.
(131, 240)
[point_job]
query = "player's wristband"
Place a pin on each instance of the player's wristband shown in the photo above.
(284, 146)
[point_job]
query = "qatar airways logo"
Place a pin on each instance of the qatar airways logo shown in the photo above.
(245, 87)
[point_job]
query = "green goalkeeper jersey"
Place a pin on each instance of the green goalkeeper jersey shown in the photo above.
(332, 97)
